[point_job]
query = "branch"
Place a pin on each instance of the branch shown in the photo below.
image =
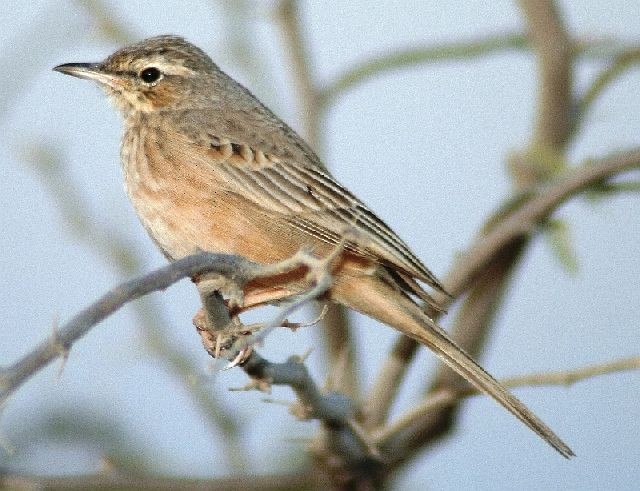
(554, 50)
(345, 448)
(284, 482)
(337, 333)
(344, 438)
(408, 57)
(462, 50)
(443, 398)
(619, 65)
(64, 337)
(288, 17)
(521, 222)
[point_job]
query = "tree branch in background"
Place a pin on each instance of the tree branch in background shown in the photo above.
(106, 24)
(113, 481)
(337, 332)
(411, 57)
(486, 257)
(439, 399)
(519, 223)
(619, 65)
(554, 51)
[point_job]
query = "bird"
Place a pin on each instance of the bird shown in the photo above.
(208, 167)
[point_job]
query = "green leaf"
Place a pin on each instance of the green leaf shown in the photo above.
(558, 234)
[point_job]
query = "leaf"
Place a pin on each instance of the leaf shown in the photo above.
(558, 234)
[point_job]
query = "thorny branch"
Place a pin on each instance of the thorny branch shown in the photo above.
(234, 267)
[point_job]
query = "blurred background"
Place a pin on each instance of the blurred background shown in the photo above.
(424, 145)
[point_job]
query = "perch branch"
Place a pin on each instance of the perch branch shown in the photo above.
(343, 437)
(237, 268)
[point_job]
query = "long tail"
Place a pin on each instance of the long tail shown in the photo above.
(373, 297)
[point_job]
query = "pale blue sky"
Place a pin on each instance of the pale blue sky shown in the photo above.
(424, 147)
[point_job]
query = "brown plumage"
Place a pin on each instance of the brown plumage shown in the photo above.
(208, 167)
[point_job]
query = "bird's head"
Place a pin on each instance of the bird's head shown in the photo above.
(163, 72)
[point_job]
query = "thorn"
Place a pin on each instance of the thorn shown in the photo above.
(240, 358)
(63, 350)
(280, 402)
(305, 355)
(218, 345)
(261, 385)
(294, 326)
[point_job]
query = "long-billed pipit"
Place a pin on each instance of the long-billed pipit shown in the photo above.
(210, 168)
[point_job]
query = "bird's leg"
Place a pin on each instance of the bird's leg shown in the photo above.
(209, 285)
(217, 325)
(218, 342)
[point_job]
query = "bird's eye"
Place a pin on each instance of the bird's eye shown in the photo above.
(150, 75)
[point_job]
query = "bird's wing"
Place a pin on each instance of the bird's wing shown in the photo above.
(311, 200)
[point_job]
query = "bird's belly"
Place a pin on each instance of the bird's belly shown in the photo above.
(186, 207)
(184, 218)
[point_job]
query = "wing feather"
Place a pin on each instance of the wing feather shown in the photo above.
(305, 195)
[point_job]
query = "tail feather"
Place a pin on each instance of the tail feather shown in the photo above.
(454, 356)
(374, 298)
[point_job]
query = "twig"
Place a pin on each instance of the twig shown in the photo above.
(570, 377)
(445, 397)
(409, 57)
(333, 408)
(618, 66)
(14, 376)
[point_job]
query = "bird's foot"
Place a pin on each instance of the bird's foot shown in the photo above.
(230, 345)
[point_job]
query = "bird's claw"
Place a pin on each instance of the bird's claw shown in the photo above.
(242, 356)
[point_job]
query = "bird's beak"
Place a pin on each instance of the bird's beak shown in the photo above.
(89, 71)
